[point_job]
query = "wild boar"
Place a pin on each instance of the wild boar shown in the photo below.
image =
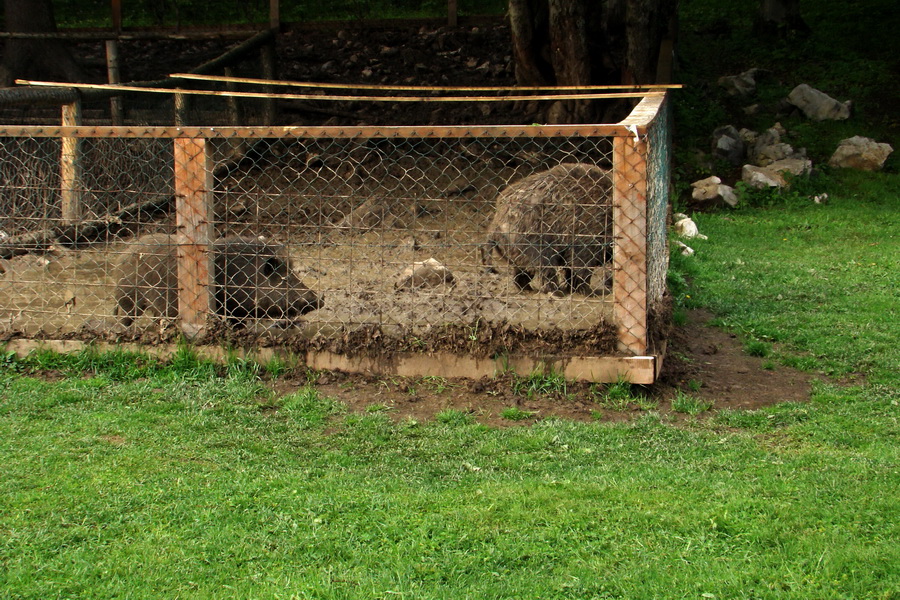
(250, 278)
(556, 222)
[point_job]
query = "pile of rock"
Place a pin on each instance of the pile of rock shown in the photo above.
(766, 159)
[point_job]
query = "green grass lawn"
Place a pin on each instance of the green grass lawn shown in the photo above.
(187, 485)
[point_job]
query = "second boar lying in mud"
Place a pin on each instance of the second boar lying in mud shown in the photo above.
(251, 278)
(557, 223)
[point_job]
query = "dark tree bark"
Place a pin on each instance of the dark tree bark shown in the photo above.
(583, 42)
(570, 56)
(24, 58)
(528, 21)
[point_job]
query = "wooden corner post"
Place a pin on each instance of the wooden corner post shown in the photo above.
(630, 232)
(193, 205)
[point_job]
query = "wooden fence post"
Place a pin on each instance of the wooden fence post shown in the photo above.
(112, 72)
(231, 102)
(630, 232)
(70, 183)
(181, 109)
(193, 205)
(269, 69)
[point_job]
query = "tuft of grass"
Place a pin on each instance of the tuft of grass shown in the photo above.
(437, 384)
(540, 383)
(622, 395)
(454, 417)
(758, 348)
(243, 368)
(514, 413)
(277, 367)
(691, 405)
(308, 408)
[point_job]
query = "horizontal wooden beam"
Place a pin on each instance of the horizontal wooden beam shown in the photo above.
(341, 98)
(418, 131)
(637, 89)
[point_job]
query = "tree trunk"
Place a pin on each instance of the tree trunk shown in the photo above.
(530, 36)
(35, 58)
(570, 57)
(583, 42)
(779, 17)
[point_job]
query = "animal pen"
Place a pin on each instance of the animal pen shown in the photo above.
(388, 226)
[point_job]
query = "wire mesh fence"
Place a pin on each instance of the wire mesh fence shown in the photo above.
(180, 13)
(473, 240)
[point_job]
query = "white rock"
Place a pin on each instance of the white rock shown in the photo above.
(768, 147)
(727, 194)
(712, 189)
(727, 144)
(685, 249)
(740, 85)
(705, 183)
(686, 228)
(860, 153)
(705, 193)
(772, 175)
(817, 105)
(795, 166)
(748, 135)
(762, 177)
(428, 273)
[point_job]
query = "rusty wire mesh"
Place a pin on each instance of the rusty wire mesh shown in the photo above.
(342, 239)
(658, 181)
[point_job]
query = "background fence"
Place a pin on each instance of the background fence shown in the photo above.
(383, 231)
(178, 13)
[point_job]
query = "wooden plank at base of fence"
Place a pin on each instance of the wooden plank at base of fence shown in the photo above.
(598, 369)
(601, 369)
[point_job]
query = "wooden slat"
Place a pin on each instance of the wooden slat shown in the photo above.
(455, 131)
(342, 98)
(638, 89)
(599, 369)
(193, 211)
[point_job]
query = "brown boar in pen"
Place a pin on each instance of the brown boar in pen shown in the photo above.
(251, 278)
(557, 223)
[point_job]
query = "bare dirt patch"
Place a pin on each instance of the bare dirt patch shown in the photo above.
(714, 358)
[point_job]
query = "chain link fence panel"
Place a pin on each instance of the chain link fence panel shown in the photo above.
(477, 241)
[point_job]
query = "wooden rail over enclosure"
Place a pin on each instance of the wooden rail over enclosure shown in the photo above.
(433, 188)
